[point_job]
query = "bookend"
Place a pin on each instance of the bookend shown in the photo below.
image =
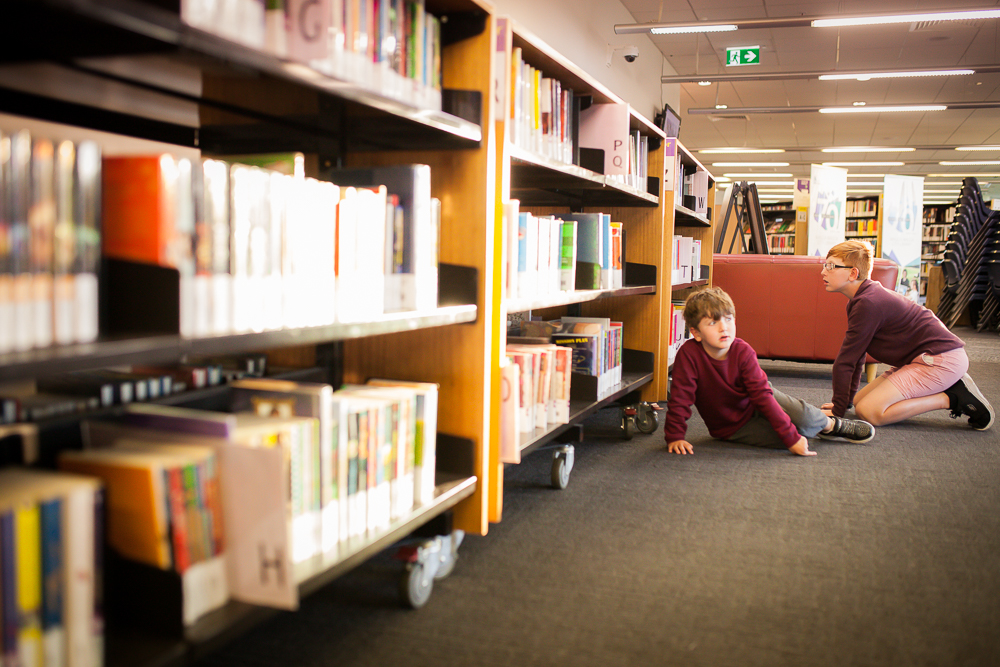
(455, 457)
(638, 275)
(457, 285)
(138, 298)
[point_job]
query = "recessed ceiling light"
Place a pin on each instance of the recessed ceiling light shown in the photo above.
(964, 163)
(860, 104)
(868, 149)
(865, 76)
(749, 164)
(741, 150)
(704, 83)
(978, 148)
(721, 106)
(863, 164)
(884, 109)
(906, 18)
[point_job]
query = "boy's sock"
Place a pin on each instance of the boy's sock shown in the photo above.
(852, 430)
(966, 399)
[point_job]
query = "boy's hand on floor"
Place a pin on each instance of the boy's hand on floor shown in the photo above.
(801, 447)
(827, 409)
(681, 447)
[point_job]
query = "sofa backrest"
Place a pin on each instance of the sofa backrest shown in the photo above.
(782, 307)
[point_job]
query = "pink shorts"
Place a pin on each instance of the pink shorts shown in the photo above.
(929, 374)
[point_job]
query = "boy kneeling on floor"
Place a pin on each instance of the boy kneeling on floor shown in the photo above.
(719, 374)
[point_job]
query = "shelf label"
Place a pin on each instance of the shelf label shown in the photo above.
(742, 55)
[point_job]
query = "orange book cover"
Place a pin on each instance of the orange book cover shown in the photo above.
(138, 208)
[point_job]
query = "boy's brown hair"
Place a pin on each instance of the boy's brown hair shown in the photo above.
(710, 302)
(858, 254)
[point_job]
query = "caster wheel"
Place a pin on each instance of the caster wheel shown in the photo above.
(560, 473)
(626, 424)
(414, 587)
(645, 419)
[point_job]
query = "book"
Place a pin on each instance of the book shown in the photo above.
(41, 227)
(411, 281)
(64, 237)
(87, 225)
(425, 441)
(18, 196)
(589, 238)
(214, 279)
(510, 428)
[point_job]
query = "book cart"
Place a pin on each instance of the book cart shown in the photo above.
(544, 186)
(103, 65)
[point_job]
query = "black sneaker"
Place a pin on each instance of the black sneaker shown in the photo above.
(966, 399)
(852, 430)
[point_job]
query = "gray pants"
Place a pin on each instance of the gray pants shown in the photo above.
(808, 419)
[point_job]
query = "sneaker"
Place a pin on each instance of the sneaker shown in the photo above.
(852, 430)
(966, 399)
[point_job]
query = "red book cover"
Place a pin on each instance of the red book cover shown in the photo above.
(138, 196)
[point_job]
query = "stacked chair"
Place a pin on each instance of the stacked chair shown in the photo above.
(970, 249)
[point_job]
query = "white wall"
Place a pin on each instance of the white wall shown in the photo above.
(582, 30)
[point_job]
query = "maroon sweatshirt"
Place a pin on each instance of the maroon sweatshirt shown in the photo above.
(725, 392)
(889, 327)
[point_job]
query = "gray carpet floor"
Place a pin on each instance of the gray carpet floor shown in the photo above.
(884, 554)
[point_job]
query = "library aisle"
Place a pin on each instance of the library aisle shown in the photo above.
(880, 555)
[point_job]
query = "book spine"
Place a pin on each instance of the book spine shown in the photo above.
(53, 583)
(79, 536)
(27, 539)
(178, 519)
(9, 590)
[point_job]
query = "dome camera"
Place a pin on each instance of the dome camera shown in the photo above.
(631, 53)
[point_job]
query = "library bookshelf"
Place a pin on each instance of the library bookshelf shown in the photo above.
(934, 236)
(863, 220)
(128, 70)
(650, 214)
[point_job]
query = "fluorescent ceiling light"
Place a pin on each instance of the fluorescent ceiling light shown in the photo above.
(864, 175)
(937, 192)
(856, 192)
(864, 164)
(863, 183)
(741, 150)
(764, 175)
(978, 148)
(865, 76)
(962, 164)
(884, 109)
(906, 18)
(749, 164)
(954, 174)
(867, 149)
(684, 29)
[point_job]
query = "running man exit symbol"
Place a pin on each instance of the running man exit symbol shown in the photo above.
(742, 55)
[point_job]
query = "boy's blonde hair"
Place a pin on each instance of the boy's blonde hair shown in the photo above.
(858, 254)
(710, 302)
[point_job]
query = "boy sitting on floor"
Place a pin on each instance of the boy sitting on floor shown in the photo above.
(928, 361)
(719, 374)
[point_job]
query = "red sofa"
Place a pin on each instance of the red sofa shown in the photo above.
(782, 308)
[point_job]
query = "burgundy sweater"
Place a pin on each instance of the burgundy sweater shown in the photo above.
(725, 392)
(889, 327)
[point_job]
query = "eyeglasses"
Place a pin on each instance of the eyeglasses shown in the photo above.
(830, 266)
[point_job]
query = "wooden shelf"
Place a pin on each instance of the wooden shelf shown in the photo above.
(632, 379)
(685, 217)
(157, 349)
(127, 648)
(695, 283)
(94, 28)
(577, 296)
(540, 181)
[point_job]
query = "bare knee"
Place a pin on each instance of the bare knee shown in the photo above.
(874, 417)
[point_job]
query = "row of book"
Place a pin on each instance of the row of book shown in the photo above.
(235, 502)
(860, 226)
(51, 568)
(49, 241)
(686, 263)
(251, 244)
(391, 47)
(939, 214)
(608, 127)
(548, 254)
(688, 181)
(538, 114)
(536, 392)
(679, 332)
(596, 343)
(781, 244)
(861, 207)
(936, 231)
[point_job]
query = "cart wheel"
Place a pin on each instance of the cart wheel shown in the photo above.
(560, 473)
(626, 424)
(645, 419)
(414, 586)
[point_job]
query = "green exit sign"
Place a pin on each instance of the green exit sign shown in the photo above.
(742, 55)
